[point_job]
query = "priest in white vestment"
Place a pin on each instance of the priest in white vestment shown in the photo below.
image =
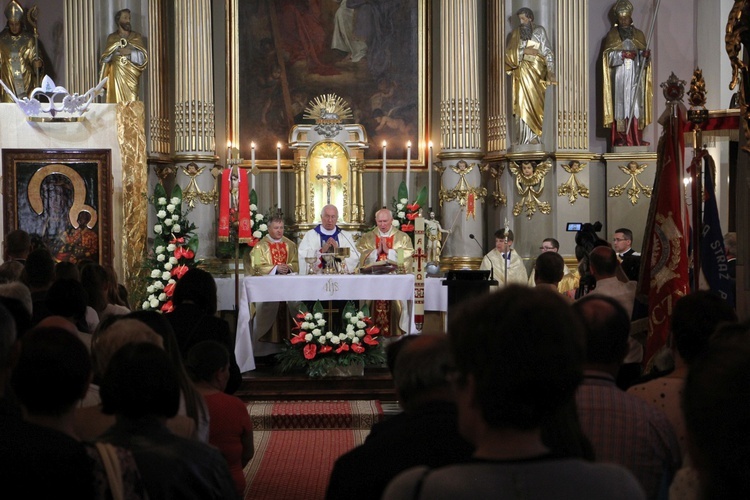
(326, 237)
(503, 255)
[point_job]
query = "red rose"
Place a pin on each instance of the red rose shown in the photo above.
(310, 350)
(358, 348)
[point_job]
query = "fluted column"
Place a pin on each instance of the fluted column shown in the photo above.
(572, 68)
(158, 83)
(194, 116)
(81, 36)
(497, 118)
(460, 132)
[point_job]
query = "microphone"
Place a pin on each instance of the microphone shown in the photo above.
(492, 268)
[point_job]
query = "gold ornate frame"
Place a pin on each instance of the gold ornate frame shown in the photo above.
(87, 177)
(240, 130)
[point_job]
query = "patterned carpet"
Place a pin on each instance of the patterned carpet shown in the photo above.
(297, 443)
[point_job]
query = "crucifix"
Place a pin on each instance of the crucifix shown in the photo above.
(328, 177)
(331, 311)
(418, 256)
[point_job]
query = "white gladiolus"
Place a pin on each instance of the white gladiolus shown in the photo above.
(258, 216)
(321, 322)
(349, 328)
(168, 266)
(161, 214)
(360, 333)
(361, 324)
(355, 340)
(162, 296)
(401, 215)
(159, 285)
(317, 332)
(335, 341)
(168, 222)
(308, 337)
(404, 201)
(146, 304)
(175, 217)
(263, 227)
(257, 234)
(308, 316)
(253, 207)
(399, 206)
(173, 260)
(161, 201)
(318, 316)
(360, 315)
(159, 249)
(150, 289)
(166, 275)
(154, 303)
(348, 315)
(170, 208)
(350, 335)
(157, 229)
(329, 335)
(322, 339)
(175, 201)
(176, 228)
(342, 336)
(156, 273)
(161, 257)
(171, 247)
(395, 223)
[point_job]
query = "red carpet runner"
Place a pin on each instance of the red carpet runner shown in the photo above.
(297, 442)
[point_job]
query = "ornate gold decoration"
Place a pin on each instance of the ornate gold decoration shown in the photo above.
(328, 108)
(573, 188)
(462, 190)
(496, 171)
(164, 171)
(633, 185)
(697, 113)
(530, 185)
(192, 192)
(79, 192)
(737, 26)
(666, 253)
(131, 136)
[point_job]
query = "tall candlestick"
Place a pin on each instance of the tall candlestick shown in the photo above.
(229, 151)
(252, 165)
(278, 174)
(384, 202)
(429, 176)
(408, 164)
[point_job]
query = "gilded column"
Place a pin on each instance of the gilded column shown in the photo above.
(497, 119)
(81, 36)
(572, 68)
(194, 148)
(461, 194)
(158, 83)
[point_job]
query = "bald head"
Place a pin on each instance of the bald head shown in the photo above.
(384, 220)
(329, 216)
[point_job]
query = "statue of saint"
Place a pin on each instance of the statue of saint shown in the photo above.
(123, 60)
(433, 230)
(530, 62)
(19, 57)
(628, 87)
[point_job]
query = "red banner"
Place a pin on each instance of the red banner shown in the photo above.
(664, 274)
(234, 185)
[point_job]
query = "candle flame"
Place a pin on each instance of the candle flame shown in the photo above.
(430, 144)
(383, 143)
(408, 144)
(252, 145)
(229, 144)
(278, 145)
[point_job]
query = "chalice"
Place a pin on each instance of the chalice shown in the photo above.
(310, 259)
(341, 255)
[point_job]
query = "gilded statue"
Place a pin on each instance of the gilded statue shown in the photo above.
(628, 85)
(123, 60)
(529, 186)
(20, 62)
(434, 232)
(530, 62)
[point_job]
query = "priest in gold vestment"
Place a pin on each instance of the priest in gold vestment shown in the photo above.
(123, 60)
(386, 243)
(19, 58)
(274, 254)
(531, 63)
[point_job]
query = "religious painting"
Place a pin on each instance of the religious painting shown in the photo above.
(62, 198)
(284, 53)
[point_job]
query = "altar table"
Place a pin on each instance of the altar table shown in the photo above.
(279, 288)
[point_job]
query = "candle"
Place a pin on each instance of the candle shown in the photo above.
(252, 165)
(278, 174)
(384, 202)
(408, 164)
(400, 256)
(429, 176)
(229, 151)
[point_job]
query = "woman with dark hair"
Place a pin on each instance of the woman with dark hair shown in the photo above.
(194, 319)
(231, 428)
(141, 389)
(192, 403)
(95, 280)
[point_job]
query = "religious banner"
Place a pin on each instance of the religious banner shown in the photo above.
(664, 275)
(234, 205)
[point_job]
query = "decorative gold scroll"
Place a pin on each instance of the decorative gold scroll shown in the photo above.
(573, 188)
(633, 186)
(530, 186)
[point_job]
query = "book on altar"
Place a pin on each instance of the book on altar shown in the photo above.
(380, 267)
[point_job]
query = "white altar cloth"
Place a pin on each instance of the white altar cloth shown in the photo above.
(317, 287)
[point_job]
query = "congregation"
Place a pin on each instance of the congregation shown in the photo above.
(139, 404)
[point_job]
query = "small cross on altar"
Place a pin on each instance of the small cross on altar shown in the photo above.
(328, 177)
(331, 310)
(418, 256)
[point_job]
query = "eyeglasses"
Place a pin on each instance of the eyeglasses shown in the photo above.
(619, 239)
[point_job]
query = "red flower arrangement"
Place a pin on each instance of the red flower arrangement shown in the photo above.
(404, 212)
(317, 349)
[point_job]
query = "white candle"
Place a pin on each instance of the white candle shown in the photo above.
(408, 165)
(229, 151)
(278, 174)
(429, 176)
(252, 165)
(384, 202)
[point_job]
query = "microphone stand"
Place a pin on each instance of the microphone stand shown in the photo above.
(492, 268)
(507, 252)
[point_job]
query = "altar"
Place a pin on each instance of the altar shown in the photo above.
(278, 288)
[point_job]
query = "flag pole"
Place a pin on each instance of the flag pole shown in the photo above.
(697, 114)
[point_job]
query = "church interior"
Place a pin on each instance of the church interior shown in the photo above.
(488, 129)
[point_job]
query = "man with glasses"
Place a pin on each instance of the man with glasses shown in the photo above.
(629, 258)
(549, 245)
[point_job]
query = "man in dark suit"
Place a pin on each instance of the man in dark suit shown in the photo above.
(629, 258)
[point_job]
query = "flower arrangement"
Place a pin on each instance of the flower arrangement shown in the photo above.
(175, 245)
(404, 213)
(318, 349)
(259, 220)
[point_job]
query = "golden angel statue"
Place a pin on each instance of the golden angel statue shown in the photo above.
(530, 184)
